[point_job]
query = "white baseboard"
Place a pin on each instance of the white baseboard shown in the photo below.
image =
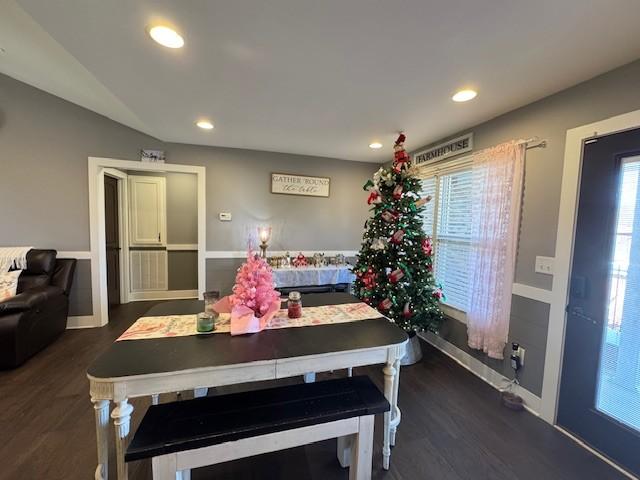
(596, 453)
(81, 321)
(498, 381)
(163, 295)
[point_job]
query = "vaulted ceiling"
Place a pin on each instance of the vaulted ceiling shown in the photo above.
(320, 77)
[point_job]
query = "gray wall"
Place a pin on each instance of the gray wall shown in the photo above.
(239, 181)
(44, 145)
(607, 95)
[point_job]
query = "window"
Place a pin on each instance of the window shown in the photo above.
(447, 220)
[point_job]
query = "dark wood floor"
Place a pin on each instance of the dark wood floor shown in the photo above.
(453, 426)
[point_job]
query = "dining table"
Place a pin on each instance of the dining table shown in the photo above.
(150, 367)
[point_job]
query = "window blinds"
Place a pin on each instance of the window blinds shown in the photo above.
(447, 219)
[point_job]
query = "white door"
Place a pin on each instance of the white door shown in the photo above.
(147, 211)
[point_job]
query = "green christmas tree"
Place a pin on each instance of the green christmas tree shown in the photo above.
(394, 269)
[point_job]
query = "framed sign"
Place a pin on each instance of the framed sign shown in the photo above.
(448, 149)
(289, 184)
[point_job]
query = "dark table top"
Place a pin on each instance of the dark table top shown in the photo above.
(150, 356)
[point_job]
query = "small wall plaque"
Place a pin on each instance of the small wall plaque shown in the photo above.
(288, 184)
(153, 156)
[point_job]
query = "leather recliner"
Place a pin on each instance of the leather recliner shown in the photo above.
(37, 315)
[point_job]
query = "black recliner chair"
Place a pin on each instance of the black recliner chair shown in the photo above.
(37, 315)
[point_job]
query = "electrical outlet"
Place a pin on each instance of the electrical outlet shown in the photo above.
(521, 355)
(224, 216)
(544, 265)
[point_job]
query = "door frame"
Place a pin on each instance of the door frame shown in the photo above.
(571, 173)
(97, 167)
(123, 229)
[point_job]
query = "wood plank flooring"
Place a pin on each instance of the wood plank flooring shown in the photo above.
(453, 427)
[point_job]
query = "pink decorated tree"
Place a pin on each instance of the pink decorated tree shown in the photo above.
(254, 286)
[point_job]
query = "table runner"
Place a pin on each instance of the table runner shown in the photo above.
(184, 325)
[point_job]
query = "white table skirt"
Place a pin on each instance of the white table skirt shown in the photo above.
(306, 276)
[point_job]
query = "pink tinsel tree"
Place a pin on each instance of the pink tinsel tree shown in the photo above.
(254, 285)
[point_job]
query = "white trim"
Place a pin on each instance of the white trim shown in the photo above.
(80, 321)
(564, 250)
(182, 247)
(243, 253)
(498, 381)
(77, 255)
(163, 295)
(95, 175)
(596, 453)
(123, 229)
(534, 293)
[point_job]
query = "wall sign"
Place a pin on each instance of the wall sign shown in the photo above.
(152, 156)
(289, 184)
(448, 149)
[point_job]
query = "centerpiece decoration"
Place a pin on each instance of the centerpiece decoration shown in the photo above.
(254, 301)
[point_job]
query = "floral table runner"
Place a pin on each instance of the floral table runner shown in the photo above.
(184, 325)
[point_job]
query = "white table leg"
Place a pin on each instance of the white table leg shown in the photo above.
(389, 376)
(344, 450)
(395, 420)
(155, 399)
(350, 372)
(200, 392)
(121, 420)
(101, 410)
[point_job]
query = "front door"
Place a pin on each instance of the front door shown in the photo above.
(112, 235)
(600, 388)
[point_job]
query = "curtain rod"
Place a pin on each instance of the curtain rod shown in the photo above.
(533, 142)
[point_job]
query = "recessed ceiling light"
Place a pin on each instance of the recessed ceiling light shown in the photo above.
(166, 36)
(464, 95)
(204, 124)
(375, 145)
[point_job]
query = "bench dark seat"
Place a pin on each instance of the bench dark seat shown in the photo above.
(202, 422)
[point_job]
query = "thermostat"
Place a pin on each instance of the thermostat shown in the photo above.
(225, 216)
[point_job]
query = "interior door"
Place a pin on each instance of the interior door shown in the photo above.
(112, 236)
(147, 211)
(600, 387)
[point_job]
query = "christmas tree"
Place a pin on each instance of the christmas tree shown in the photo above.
(254, 287)
(394, 269)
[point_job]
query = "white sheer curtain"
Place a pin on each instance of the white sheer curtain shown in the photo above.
(498, 175)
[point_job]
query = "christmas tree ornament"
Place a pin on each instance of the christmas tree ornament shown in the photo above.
(395, 262)
(378, 244)
(422, 201)
(397, 237)
(374, 196)
(385, 304)
(397, 192)
(427, 247)
(389, 216)
(396, 275)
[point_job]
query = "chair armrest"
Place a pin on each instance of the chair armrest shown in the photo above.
(29, 299)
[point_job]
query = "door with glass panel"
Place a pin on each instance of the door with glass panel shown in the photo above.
(600, 388)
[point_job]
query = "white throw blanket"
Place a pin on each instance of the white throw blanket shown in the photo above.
(13, 257)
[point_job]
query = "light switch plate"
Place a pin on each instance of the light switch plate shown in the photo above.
(224, 216)
(545, 265)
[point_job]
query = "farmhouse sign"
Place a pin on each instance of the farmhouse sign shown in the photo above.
(288, 184)
(444, 150)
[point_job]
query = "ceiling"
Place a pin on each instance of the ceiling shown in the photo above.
(312, 77)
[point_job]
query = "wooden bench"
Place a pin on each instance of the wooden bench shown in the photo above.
(204, 431)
